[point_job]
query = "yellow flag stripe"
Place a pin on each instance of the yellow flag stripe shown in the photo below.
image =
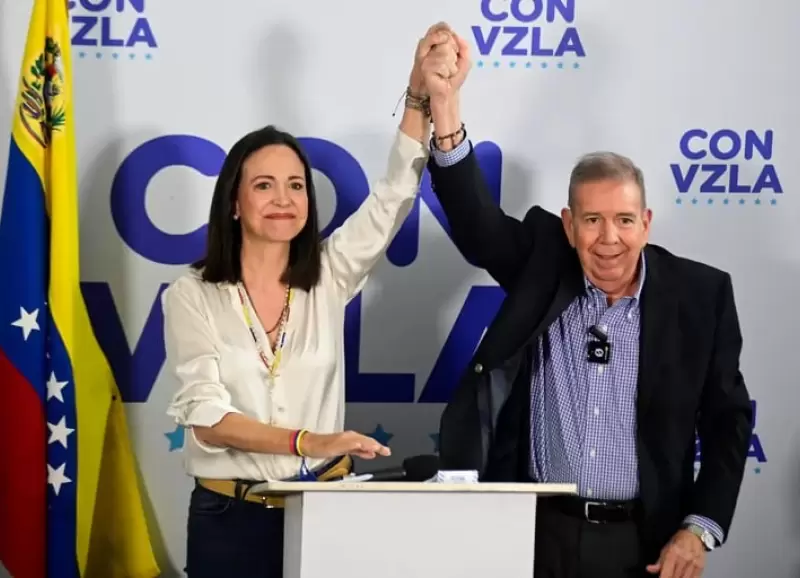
(111, 538)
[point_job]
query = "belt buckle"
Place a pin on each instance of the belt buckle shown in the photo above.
(586, 512)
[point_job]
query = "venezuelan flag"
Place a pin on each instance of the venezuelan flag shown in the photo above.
(70, 504)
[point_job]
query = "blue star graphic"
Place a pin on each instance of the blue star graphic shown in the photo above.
(435, 438)
(380, 435)
(175, 438)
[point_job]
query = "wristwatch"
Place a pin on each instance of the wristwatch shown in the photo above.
(706, 537)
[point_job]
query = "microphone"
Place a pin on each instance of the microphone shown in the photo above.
(413, 469)
(597, 332)
(599, 349)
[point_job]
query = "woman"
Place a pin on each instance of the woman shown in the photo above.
(254, 334)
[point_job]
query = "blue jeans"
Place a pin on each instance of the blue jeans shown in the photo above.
(232, 538)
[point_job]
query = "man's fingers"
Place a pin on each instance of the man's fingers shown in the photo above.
(462, 47)
(430, 42)
(656, 568)
(438, 27)
(439, 68)
(669, 567)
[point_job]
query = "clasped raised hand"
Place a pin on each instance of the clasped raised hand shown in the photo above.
(437, 34)
(445, 67)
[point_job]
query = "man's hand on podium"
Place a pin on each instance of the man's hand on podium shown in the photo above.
(339, 444)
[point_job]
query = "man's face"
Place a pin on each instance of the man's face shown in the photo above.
(609, 227)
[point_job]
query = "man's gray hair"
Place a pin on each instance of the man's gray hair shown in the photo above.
(603, 165)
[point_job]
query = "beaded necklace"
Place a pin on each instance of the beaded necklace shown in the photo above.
(272, 368)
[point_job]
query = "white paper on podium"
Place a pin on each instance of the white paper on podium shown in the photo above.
(457, 477)
(353, 478)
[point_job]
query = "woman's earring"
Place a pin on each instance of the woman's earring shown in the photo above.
(236, 217)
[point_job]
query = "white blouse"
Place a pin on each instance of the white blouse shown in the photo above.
(212, 354)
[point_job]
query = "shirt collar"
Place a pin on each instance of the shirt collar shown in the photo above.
(636, 296)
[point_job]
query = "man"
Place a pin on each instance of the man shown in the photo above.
(606, 356)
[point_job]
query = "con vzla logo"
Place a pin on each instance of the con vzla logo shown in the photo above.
(111, 24)
(528, 28)
(727, 162)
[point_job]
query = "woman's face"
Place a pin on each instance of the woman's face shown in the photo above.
(272, 201)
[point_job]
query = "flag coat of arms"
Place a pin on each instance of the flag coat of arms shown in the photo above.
(70, 503)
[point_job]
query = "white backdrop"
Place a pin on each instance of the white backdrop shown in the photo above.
(636, 77)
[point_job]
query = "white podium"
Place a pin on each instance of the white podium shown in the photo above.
(409, 529)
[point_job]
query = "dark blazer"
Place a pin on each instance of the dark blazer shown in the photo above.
(689, 376)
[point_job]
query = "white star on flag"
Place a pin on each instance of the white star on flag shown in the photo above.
(54, 387)
(27, 322)
(56, 477)
(59, 432)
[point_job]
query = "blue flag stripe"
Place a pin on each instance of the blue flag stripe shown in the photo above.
(62, 561)
(24, 251)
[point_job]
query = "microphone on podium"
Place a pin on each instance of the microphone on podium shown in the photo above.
(413, 469)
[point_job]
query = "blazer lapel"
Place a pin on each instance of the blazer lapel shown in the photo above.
(570, 284)
(520, 318)
(658, 309)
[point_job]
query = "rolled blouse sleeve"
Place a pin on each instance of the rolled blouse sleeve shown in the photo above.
(352, 250)
(201, 399)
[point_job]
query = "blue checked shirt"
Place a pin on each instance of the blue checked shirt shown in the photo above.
(583, 415)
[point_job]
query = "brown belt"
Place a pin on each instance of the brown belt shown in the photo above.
(335, 469)
(228, 488)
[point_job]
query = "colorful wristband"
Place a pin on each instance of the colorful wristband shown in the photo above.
(297, 438)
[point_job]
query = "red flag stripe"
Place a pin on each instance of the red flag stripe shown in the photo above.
(23, 475)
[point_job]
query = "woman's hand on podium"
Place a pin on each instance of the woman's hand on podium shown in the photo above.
(339, 444)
